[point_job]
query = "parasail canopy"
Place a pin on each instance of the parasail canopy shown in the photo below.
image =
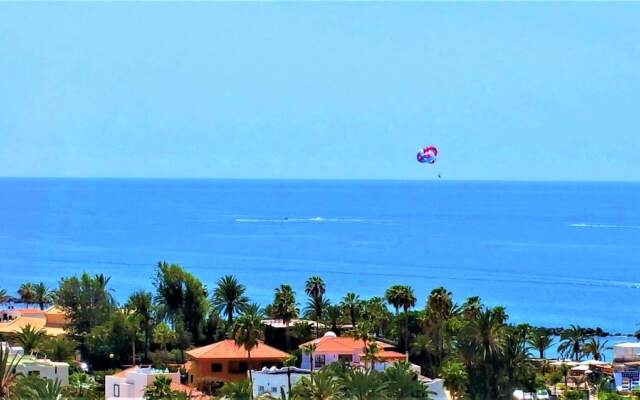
(427, 155)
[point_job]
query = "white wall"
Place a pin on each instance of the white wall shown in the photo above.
(132, 386)
(437, 387)
(46, 369)
(265, 383)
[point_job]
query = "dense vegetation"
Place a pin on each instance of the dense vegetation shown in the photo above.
(473, 347)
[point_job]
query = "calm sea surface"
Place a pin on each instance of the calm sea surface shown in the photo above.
(552, 253)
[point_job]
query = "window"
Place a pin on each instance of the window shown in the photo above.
(237, 367)
(261, 389)
(116, 390)
(216, 367)
(319, 361)
(274, 389)
(345, 357)
(34, 373)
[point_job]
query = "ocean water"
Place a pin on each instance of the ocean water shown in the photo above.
(553, 253)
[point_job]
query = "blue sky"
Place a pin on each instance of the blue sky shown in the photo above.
(546, 91)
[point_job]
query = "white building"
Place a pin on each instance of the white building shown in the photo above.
(131, 383)
(626, 366)
(273, 380)
(436, 387)
(44, 368)
(331, 348)
(13, 350)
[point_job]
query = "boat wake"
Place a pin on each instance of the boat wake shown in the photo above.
(608, 226)
(302, 220)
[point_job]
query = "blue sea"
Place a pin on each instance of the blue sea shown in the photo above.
(554, 254)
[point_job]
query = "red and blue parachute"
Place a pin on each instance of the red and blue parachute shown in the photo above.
(427, 155)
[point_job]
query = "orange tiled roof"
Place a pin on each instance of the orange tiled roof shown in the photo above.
(36, 322)
(227, 349)
(331, 344)
(29, 311)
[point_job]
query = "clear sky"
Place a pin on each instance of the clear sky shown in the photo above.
(525, 91)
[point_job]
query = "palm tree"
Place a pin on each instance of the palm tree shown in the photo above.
(363, 385)
(60, 349)
(351, 304)
(314, 288)
(289, 363)
(30, 338)
(316, 307)
(162, 334)
(131, 326)
(229, 298)
(370, 355)
(141, 303)
(595, 348)
(436, 319)
(3, 296)
(483, 342)
(333, 316)
(540, 340)
(407, 300)
(246, 334)
(375, 311)
(362, 331)
(455, 378)
(392, 295)
(564, 370)
(303, 331)
(37, 388)
(26, 293)
(240, 390)
(324, 386)
(571, 341)
(8, 365)
(160, 389)
(471, 307)
(101, 293)
(423, 346)
(401, 382)
(284, 308)
(41, 294)
(308, 350)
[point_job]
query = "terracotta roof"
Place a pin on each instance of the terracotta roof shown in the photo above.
(36, 322)
(332, 344)
(227, 349)
(29, 311)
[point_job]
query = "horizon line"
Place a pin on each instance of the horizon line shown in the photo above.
(187, 178)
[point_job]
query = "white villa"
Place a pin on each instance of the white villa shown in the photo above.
(331, 348)
(132, 382)
(30, 365)
(44, 368)
(273, 380)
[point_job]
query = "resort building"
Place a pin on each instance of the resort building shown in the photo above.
(43, 368)
(132, 382)
(51, 320)
(274, 381)
(331, 348)
(225, 361)
(626, 366)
